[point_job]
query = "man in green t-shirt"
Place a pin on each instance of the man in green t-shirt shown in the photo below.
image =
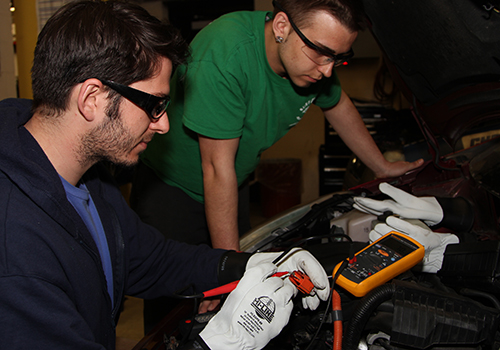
(252, 77)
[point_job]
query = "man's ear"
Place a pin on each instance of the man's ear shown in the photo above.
(91, 97)
(281, 25)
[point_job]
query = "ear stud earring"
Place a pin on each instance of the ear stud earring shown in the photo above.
(279, 39)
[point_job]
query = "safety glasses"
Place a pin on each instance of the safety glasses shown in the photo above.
(154, 106)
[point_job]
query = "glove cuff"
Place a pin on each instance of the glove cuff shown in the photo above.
(232, 265)
(458, 214)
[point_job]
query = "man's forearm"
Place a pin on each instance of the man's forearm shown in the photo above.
(220, 190)
(346, 120)
(360, 142)
(221, 208)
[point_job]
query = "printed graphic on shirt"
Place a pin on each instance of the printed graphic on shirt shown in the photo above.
(303, 110)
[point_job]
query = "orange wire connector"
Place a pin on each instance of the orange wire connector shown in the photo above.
(301, 281)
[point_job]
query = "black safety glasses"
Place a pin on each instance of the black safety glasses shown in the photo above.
(154, 106)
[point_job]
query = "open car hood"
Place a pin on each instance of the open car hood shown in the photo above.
(445, 57)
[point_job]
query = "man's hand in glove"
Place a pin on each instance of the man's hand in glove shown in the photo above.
(433, 242)
(302, 260)
(254, 313)
(403, 204)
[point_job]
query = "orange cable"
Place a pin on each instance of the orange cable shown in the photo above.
(337, 323)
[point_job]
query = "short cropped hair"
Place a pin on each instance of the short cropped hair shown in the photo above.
(349, 13)
(112, 40)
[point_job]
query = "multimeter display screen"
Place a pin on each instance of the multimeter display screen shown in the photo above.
(377, 257)
(403, 248)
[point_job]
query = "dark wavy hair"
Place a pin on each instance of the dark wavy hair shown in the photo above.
(349, 13)
(112, 40)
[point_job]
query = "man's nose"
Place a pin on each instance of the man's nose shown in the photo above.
(326, 69)
(160, 126)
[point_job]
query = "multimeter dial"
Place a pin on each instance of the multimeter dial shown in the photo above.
(370, 261)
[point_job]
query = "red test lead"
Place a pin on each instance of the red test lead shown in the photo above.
(299, 279)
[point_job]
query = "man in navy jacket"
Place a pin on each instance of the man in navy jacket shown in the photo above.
(71, 247)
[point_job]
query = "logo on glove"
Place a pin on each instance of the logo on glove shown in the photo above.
(264, 308)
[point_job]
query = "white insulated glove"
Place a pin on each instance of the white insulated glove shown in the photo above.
(405, 205)
(433, 242)
(255, 311)
(303, 261)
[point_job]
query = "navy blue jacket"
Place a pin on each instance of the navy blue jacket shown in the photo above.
(52, 287)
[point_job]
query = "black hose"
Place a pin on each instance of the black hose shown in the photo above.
(362, 313)
(477, 293)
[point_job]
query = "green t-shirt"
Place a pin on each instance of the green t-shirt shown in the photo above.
(229, 90)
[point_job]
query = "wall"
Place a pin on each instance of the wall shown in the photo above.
(263, 5)
(7, 61)
(26, 22)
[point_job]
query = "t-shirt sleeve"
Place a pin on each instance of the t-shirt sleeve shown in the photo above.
(214, 105)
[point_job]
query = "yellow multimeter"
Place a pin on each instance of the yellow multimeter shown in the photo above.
(384, 259)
